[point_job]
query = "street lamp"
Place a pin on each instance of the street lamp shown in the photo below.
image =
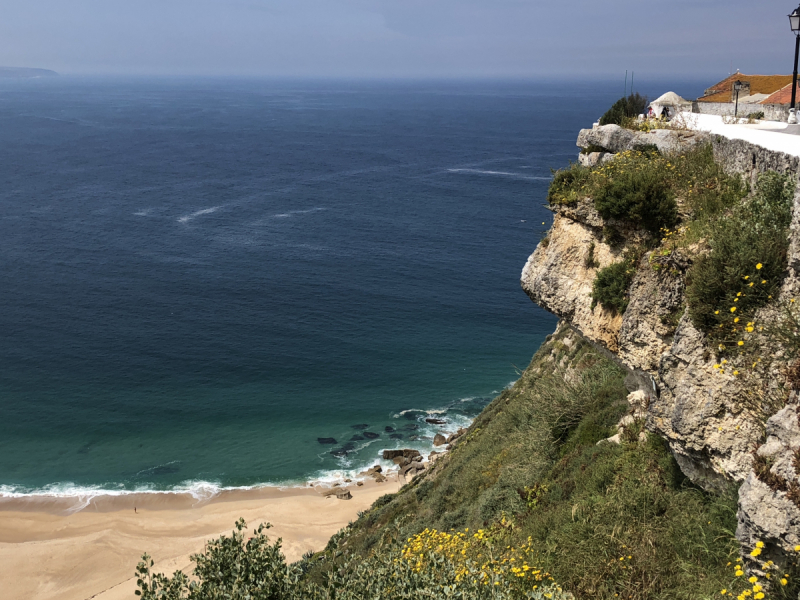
(794, 22)
(738, 88)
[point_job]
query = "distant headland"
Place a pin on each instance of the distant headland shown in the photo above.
(24, 73)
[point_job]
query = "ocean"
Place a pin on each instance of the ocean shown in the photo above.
(202, 280)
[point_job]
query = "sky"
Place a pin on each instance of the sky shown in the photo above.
(398, 38)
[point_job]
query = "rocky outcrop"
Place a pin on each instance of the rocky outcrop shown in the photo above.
(769, 499)
(615, 139)
(697, 410)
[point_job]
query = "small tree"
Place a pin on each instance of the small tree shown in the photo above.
(624, 108)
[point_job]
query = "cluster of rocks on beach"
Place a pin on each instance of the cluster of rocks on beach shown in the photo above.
(409, 463)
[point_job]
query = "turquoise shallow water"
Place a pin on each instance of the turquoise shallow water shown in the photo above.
(200, 279)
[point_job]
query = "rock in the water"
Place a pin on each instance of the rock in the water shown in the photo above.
(360, 426)
(327, 441)
(409, 453)
(357, 438)
(390, 454)
(396, 436)
(339, 452)
(373, 470)
(410, 427)
(401, 461)
(389, 429)
(434, 421)
(371, 436)
(439, 440)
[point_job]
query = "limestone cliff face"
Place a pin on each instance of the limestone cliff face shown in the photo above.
(694, 408)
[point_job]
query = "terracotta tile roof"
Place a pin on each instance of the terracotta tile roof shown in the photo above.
(759, 84)
(782, 96)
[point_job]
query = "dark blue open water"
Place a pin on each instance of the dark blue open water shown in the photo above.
(198, 279)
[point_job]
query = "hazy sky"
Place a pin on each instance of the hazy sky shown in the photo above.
(398, 38)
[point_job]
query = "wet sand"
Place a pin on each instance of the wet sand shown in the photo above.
(49, 551)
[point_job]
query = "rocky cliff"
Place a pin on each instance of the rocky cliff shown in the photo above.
(670, 362)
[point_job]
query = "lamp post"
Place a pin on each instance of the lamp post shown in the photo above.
(794, 22)
(737, 87)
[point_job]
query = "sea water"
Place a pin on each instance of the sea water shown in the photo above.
(200, 279)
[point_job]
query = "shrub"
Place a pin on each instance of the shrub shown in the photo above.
(624, 108)
(567, 185)
(612, 236)
(754, 233)
(640, 197)
(432, 564)
(590, 262)
(610, 287)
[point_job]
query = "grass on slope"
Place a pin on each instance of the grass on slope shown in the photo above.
(607, 520)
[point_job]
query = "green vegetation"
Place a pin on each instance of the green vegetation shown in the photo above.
(431, 565)
(610, 287)
(640, 197)
(651, 191)
(754, 232)
(625, 108)
(568, 185)
(531, 471)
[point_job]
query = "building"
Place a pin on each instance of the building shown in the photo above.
(770, 94)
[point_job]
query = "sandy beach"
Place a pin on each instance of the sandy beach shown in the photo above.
(48, 552)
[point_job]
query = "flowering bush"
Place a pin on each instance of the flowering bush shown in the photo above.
(768, 581)
(434, 565)
(755, 232)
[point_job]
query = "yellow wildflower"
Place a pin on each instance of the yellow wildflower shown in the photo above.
(758, 266)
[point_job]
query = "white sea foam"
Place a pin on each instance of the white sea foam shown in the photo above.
(194, 215)
(144, 212)
(292, 213)
(499, 174)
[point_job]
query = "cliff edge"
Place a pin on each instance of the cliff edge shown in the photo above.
(697, 405)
